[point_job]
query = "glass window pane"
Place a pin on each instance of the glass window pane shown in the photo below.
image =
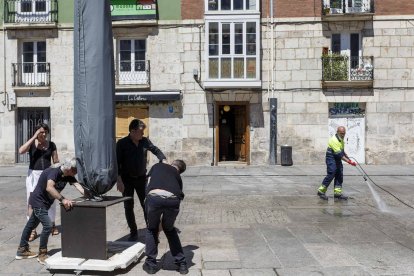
(139, 65)
(238, 38)
(213, 28)
(41, 46)
(26, 6)
(125, 66)
(336, 43)
(40, 6)
(251, 38)
(237, 4)
(251, 27)
(238, 68)
(139, 55)
(251, 49)
(125, 55)
(28, 67)
(251, 4)
(41, 67)
(213, 68)
(213, 39)
(225, 5)
(140, 45)
(212, 5)
(251, 68)
(213, 49)
(28, 51)
(41, 57)
(125, 45)
(225, 39)
(226, 68)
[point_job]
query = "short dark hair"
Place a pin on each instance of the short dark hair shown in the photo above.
(42, 125)
(135, 124)
(180, 164)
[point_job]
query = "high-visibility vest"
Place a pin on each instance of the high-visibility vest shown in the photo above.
(337, 145)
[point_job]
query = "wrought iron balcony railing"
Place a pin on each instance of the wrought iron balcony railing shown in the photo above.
(29, 74)
(347, 6)
(30, 11)
(133, 72)
(344, 68)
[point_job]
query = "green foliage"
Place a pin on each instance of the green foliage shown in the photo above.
(335, 67)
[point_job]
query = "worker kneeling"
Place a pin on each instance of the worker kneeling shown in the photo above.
(334, 156)
(162, 204)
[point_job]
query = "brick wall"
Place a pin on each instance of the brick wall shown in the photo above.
(393, 7)
(192, 9)
(298, 8)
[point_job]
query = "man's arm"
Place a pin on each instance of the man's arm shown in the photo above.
(50, 188)
(156, 151)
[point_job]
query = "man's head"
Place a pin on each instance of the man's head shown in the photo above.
(136, 129)
(69, 167)
(180, 165)
(341, 132)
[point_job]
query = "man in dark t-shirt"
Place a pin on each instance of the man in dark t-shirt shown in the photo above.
(51, 182)
(164, 193)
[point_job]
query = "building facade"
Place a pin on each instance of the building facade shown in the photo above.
(224, 81)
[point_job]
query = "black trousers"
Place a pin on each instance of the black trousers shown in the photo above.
(132, 184)
(163, 210)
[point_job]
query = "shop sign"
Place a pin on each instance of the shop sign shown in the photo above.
(133, 9)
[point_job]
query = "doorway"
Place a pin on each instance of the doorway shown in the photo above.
(28, 119)
(233, 135)
(125, 114)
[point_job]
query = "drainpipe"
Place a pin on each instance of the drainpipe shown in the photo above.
(272, 47)
(214, 129)
(4, 102)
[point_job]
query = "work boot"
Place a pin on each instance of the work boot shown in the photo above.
(42, 256)
(150, 269)
(133, 236)
(340, 197)
(25, 253)
(182, 268)
(322, 196)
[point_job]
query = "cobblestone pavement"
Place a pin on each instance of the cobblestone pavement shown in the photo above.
(265, 220)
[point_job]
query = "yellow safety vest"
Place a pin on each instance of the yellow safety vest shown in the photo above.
(336, 144)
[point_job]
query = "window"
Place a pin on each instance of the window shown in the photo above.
(34, 57)
(33, 6)
(132, 55)
(232, 5)
(232, 50)
(132, 66)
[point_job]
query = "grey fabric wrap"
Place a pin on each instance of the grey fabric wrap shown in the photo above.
(94, 107)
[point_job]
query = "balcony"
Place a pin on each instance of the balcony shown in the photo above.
(31, 75)
(347, 10)
(343, 71)
(133, 74)
(36, 13)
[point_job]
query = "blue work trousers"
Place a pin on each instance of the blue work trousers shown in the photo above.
(334, 169)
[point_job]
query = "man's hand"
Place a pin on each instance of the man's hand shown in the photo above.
(352, 163)
(67, 204)
(164, 161)
(120, 185)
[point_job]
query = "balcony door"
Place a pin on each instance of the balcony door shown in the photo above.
(132, 65)
(32, 11)
(33, 66)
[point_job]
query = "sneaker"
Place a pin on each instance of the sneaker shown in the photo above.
(149, 268)
(341, 197)
(182, 268)
(133, 236)
(25, 253)
(42, 256)
(322, 196)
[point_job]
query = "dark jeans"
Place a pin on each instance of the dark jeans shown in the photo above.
(131, 184)
(168, 208)
(334, 169)
(39, 215)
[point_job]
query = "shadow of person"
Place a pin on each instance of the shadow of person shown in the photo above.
(167, 260)
(141, 236)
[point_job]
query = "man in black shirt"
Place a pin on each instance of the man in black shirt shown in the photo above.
(162, 204)
(131, 153)
(51, 182)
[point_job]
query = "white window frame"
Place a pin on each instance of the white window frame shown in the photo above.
(244, 10)
(28, 77)
(134, 75)
(233, 82)
(33, 15)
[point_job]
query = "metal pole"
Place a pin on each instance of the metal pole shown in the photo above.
(273, 132)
